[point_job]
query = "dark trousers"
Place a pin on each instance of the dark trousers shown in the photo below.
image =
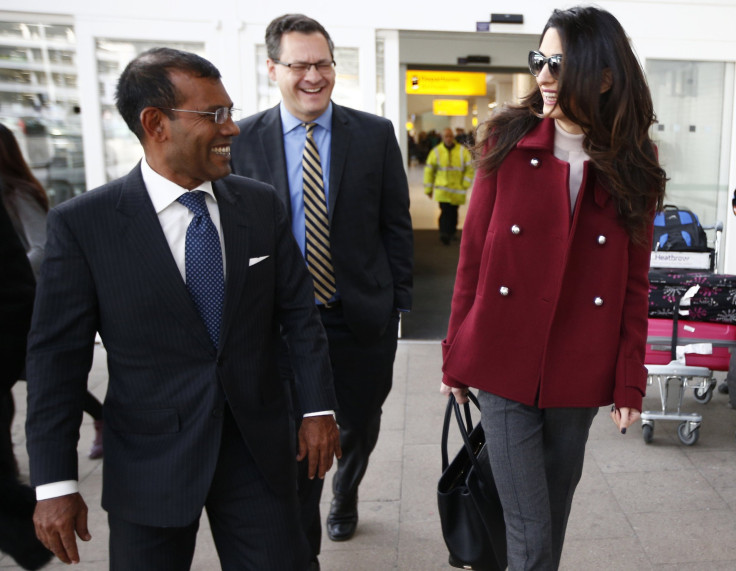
(537, 460)
(448, 219)
(253, 528)
(17, 501)
(363, 374)
(8, 464)
(92, 406)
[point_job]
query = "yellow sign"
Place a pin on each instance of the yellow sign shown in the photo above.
(450, 107)
(426, 82)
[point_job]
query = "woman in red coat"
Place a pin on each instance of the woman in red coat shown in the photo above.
(549, 311)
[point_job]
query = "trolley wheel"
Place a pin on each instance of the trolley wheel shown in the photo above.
(688, 439)
(647, 433)
(703, 396)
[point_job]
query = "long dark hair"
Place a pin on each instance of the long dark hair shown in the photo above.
(15, 172)
(615, 123)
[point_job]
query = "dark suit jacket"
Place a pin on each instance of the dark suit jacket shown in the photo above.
(16, 302)
(370, 228)
(108, 267)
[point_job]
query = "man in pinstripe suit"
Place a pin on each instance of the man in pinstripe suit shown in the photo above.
(194, 416)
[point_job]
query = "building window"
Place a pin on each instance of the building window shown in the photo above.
(122, 149)
(693, 104)
(39, 101)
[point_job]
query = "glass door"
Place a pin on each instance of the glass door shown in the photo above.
(694, 101)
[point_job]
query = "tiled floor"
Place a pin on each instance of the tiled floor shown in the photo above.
(657, 506)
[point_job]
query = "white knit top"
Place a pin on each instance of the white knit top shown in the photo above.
(569, 148)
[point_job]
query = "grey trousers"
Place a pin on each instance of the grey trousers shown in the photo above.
(537, 460)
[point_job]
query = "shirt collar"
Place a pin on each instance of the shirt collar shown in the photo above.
(289, 122)
(162, 191)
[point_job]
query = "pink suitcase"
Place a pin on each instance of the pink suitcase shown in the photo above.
(721, 335)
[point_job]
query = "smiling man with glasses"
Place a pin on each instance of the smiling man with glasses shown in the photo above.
(340, 174)
(190, 276)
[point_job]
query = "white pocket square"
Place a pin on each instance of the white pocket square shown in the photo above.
(254, 261)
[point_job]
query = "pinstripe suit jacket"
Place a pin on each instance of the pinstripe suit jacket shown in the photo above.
(371, 237)
(108, 267)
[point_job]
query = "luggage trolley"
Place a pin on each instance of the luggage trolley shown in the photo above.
(682, 355)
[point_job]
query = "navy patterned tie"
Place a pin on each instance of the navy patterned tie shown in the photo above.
(204, 274)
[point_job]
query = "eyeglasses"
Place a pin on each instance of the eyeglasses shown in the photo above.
(323, 67)
(537, 61)
(220, 116)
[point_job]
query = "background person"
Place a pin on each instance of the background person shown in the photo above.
(553, 325)
(731, 375)
(448, 175)
(189, 275)
(366, 240)
(27, 204)
(17, 501)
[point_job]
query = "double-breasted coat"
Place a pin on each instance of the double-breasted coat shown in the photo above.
(549, 306)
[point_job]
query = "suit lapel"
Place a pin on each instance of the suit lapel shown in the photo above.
(142, 230)
(234, 223)
(272, 142)
(339, 153)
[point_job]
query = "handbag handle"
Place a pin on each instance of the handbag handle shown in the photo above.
(465, 429)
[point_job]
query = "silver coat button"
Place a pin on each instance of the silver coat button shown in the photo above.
(601, 239)
(515, 229)
(598, 301)
(503, 290)
(535, 162)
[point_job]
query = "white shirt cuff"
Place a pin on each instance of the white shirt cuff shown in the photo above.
(56, 489)
(321, 413)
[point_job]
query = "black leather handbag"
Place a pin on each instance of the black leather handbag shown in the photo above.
(470, 510)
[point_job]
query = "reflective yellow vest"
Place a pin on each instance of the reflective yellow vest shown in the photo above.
(448, 173)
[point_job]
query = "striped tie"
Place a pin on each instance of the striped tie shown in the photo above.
(317, 247)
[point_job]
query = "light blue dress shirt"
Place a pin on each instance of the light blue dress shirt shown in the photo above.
(295, 136)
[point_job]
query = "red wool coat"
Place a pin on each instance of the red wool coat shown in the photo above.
(547, 308)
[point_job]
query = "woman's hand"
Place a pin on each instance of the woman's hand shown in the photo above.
(624, 417)
(461, 395)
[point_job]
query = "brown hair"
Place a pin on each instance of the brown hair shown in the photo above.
(293, 23)
(15, 172)
(615, 123)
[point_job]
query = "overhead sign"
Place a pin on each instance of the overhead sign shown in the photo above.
(453, 107)
(427, 82)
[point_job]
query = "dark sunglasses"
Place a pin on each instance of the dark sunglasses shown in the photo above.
(537, 62)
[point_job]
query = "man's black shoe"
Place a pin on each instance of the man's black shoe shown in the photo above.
(314, 565)
(343, 518)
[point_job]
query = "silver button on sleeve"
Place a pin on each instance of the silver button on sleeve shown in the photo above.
(601, 239)
(515, 229)
(598, 301)
(503, 290)
(535, 162)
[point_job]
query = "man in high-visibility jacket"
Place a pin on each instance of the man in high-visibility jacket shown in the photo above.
(448, 175)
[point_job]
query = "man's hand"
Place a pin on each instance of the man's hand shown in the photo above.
(56, 521)
(430, 194)
(319, 441)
